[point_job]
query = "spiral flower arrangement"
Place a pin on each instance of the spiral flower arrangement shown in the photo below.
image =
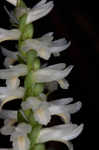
(27, 126)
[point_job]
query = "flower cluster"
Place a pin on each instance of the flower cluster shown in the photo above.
(26, 125)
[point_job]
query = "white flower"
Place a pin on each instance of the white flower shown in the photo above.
(11, 92)
(8, 114)
(8, 127)
(19, 137)
(40, 10)
(45, 46)
(10, 118)
(13, 2)
(61, 133)
(44, 110)
(52, 86)
(53, 73)
(13, 71)
(11, 57)
(5, 34)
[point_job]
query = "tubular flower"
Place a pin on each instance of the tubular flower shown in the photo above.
(14, 71)
(45, 46)
(11, 91)
(5, 34)
(43, 110)
(61, 133)
(10, 118)
(10, 57)
(19, 137)
(40, 10)
(51, 73)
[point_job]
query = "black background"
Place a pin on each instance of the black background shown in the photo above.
(78, 22)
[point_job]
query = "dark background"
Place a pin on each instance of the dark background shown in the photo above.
(78, 22)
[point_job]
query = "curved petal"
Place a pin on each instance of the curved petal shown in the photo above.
(49, 75)
(5, 34)
(39, 12)
(15, 71)
(13, 2)
(60, 133)
(62, 101)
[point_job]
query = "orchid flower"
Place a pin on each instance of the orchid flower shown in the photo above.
(11, 57)
(45, 46)
(44, 110)
(11, 91)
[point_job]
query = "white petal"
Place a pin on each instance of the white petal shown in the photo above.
(8, 127)
(48, 37)
(23, 128)
(5, 92)
(42, 114)
(63, 101)
(60, 133)
(13, 2)
(59, 46)
(8, 62)
(61, 112)
(5, 114)
(59, 66)
(9, 53)
(15, 71)
(13, 34)
(73, 108)
(39, 12)
(31, 102)
(48, 75)
(40, 3)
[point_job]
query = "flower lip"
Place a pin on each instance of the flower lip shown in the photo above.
(60, 133)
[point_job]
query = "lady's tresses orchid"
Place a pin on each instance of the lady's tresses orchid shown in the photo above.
(45, 46)
(43, 110)
(10, 57)
(10, 118)
(25, 125)
(53, 73)
(40, 10)
(11, 91)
